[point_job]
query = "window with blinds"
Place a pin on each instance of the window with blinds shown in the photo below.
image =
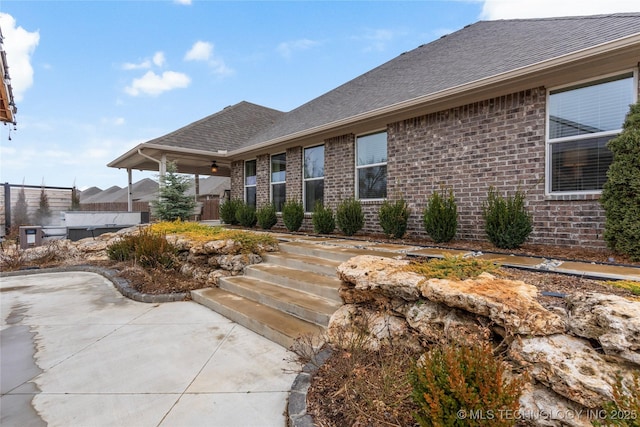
(250, 182)
(313, 177)
(371, 166)
(278, 180)
(581, 120)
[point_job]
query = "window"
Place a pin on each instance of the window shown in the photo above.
(371, 166)
(581, 120)
(313, 177)
(250, 182)
(278, 178)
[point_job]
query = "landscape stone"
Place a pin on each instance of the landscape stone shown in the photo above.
(569, 366)
(611, 320)
(509, 303)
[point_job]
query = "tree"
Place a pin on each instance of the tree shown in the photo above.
(75, 200)
(173, 203)
(621, 192)
(43, 213)
(20, 213)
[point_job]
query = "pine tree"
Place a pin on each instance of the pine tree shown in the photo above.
(20, 213)
(43, 213)
(173, 203)
(621, 193)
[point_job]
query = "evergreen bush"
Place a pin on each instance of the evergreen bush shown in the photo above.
(228, 211)
(292, 215)
(462, 384)
(621, 192)
(440, 216)
(147, 249)
(507, 222)
(267, 217)
(173, 201)
(323, 220)
(349, 216)
(246, 215)
(393, 217)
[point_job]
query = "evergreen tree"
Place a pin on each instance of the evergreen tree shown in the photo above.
(20, 214)
(173, 203)
(621, 193)
(75, 200)
(43, 213)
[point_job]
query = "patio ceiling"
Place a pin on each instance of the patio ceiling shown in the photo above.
(146, 157)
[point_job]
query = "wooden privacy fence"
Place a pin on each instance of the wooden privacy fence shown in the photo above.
(210, 208)
(115, 207)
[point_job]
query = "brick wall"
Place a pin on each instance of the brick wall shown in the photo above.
(339, 169)
(237, 180)
(294, 174)
(498, 142)
(263, 172)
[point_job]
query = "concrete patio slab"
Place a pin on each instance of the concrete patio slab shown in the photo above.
(82, 354)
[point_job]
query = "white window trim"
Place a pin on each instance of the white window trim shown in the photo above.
(357, 167)
(244, 179)
(549, 143)
(271, 183)
(304, 180)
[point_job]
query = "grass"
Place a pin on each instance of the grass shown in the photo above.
(452, 267)
(251, 242)
(629, 285)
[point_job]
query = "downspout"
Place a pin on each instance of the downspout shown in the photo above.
(162, 164)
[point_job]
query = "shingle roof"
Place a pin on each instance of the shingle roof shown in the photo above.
(223, 130)
(478, 51)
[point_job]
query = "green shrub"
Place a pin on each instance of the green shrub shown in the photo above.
(440, 216)
(349, 216)
(228, 211)
(393, 218)
(507, 222)
(621, 192)
(147, 249)
(292, 215)
(624, 409)
(458, 384)
(452, 267)
(323, 220)
(246, 215)
(267, 216)
(173, 201)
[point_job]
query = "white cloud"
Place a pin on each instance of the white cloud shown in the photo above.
(154, 84)
(19, 45)
(200, 51)
(203, 51)
(183, 2)
(286, 49)
(139, 66)
(112, 121)
(159, 59)
(512, 9)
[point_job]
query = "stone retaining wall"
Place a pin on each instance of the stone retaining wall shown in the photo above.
(574, 355)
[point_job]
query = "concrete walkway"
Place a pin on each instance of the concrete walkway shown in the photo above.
(75, 352)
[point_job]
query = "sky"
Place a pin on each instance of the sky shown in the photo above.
(93, 79)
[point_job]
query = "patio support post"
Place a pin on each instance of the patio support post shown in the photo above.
(130, 191)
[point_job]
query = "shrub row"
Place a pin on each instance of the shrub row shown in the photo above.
(506, 219)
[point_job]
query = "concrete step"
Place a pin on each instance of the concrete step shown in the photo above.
(306, 306)
(330, 252)
(306, 281)
(269, 322)
(303, 262)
